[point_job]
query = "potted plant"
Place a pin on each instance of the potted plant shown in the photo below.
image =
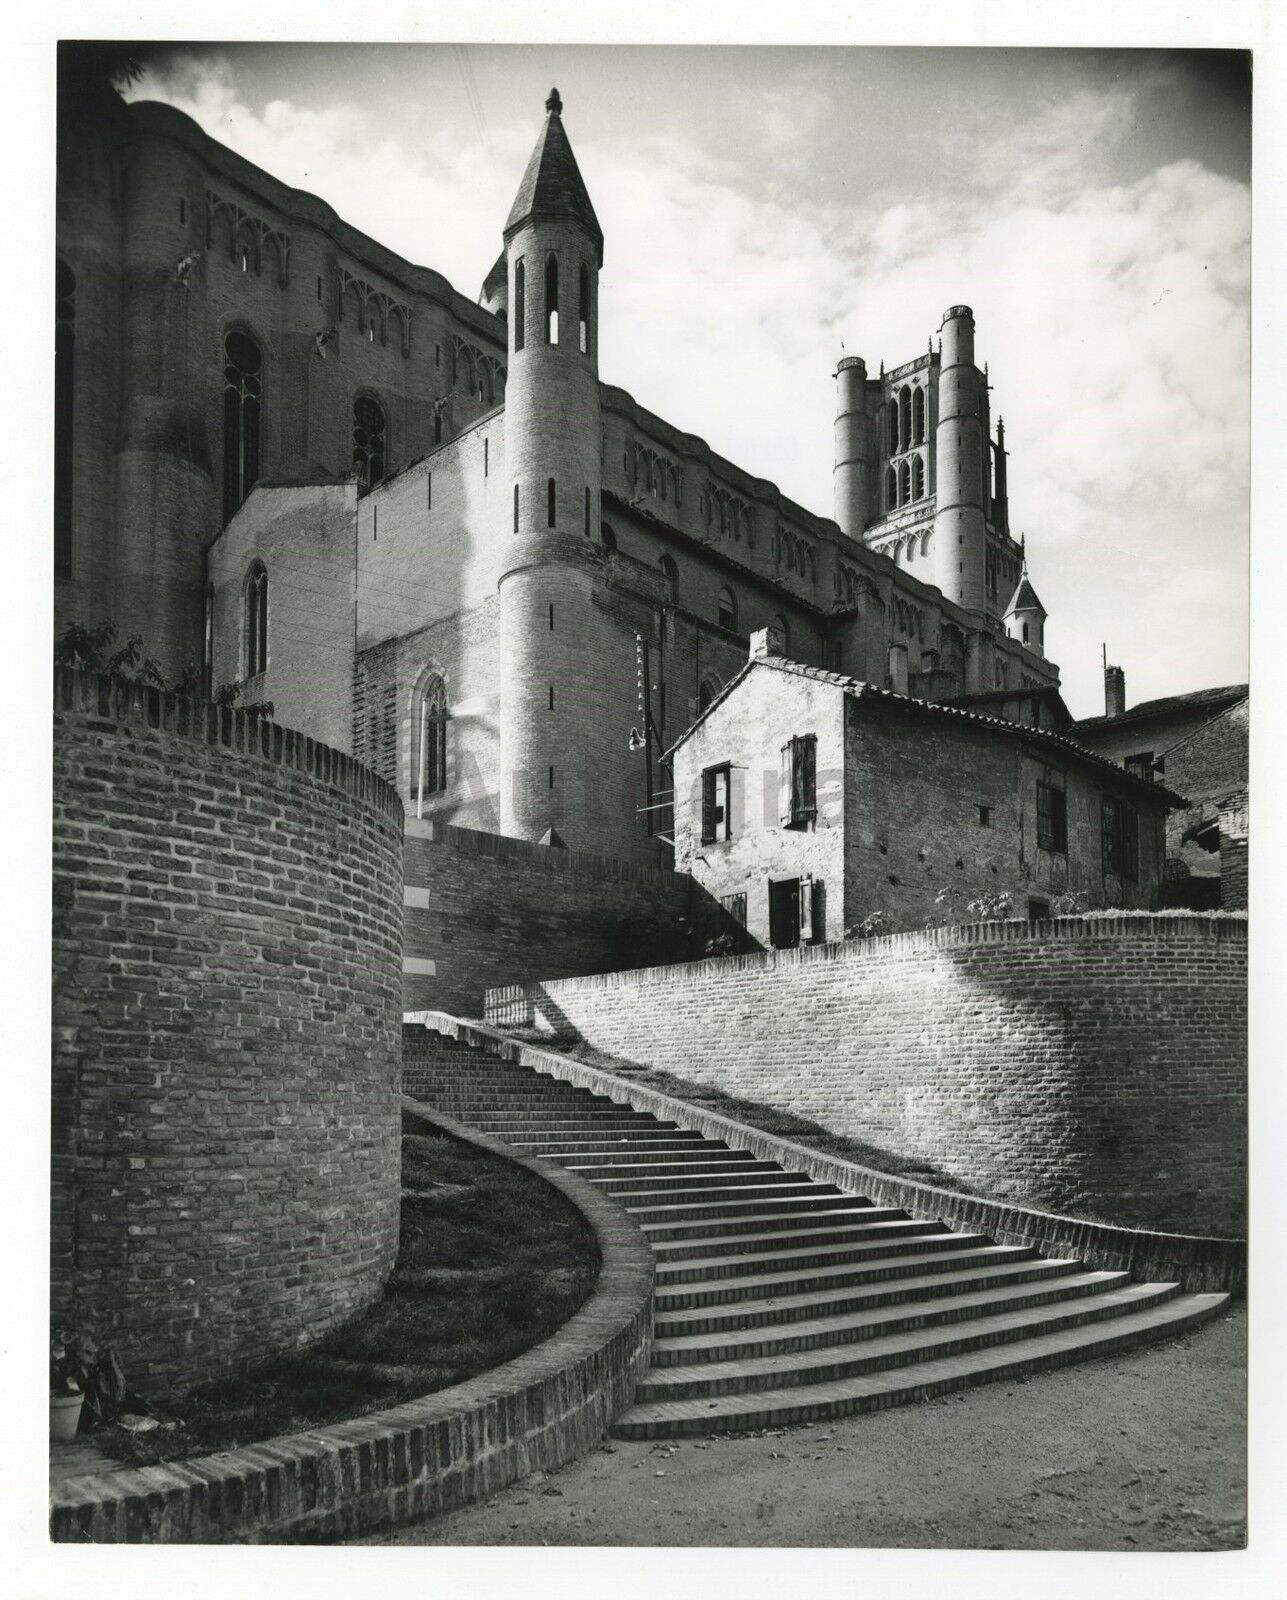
(86, 1382)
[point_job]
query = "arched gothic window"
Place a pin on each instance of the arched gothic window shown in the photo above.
(428, 739)
(242, 404)
(904, 418)
(255, 621)
(584, 287)
(918, 416)
(671, 573)
(918, 476)
(520, 306)
(904, 483)
(891, 489)
(781, 622)
(727, 610)
(607, 536)
(891, 427)
(368, 440)
(64, 414)
(710, 687)
(551, 300)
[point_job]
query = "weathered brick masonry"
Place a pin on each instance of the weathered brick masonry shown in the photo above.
(226, 1039)
(482, 910)
(1096, 1067)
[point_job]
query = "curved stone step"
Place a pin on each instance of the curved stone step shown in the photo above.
(897, 1386)
(849, 1327)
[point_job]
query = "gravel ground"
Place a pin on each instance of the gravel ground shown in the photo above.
(1145, 1451)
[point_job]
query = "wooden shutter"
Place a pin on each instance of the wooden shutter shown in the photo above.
(1108, 832)
(708, 805)
(806, 804)
(786, 783)
(807, 887)
(1059, 819)
(1045, 823)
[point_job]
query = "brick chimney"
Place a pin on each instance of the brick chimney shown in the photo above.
(770, 641)
(1114, 691)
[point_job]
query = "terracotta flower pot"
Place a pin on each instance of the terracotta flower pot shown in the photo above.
(64, 1416)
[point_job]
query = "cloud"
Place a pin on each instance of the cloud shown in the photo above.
(1114, 318)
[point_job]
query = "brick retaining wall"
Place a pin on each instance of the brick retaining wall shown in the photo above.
(483, 909)
(428, 1456)
(1095, 1067)
(226, 1031)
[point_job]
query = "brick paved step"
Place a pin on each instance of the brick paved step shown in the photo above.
(628, 1145)
(696, 1170)
(947, 1254)
(995, 1268)
(804, 1232)
(537, 1122)
(716, 1230)
(951, 1305)
(898, 1386)
(642, 1203)
(793, 1369)
(696, 1180)
(602, 1163)
(809, 1198)
(799, 1259)
(518, 1105)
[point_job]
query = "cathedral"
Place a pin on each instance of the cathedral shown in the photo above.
(430, 534)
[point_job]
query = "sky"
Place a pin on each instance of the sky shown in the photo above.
(765, 209)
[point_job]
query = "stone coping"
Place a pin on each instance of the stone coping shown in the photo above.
(416, 1459)
(1196, 1262)
(1216, 926)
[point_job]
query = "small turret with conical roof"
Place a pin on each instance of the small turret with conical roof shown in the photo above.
(553, 452)
(1025, 616)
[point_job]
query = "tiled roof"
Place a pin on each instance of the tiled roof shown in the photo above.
(1025, 598)
(495, 279)
(1213, 700)
(552, 187)
(859, 690)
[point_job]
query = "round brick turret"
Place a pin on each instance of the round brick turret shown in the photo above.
(960, 534)
(851, 481)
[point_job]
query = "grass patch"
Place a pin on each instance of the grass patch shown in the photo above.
(491, 1261)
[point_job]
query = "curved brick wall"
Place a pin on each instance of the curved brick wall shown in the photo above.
(1095, 1067)
(226, 1030)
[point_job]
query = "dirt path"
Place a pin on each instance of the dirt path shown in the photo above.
(1145, 1451)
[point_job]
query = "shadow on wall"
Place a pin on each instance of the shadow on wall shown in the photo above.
(1094, 1066)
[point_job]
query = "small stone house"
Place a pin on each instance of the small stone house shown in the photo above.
(806, 801)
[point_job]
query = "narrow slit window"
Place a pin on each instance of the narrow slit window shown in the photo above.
(549, 503)
(428, 491)
(242, 402)
(551, 617)
(584, 321)
(319, 287)
(183, 211)
(552, 300)
(255, 631)
(486, 457)
(515, 508)
(437, 427)
(587, 513)
(520, 306)
(551, 697)
(727, 610)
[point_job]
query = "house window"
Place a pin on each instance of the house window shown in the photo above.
(716, 810)
(255, 621)
(429, 739)
(368, 440)
(793, 904)
(1052, 818)
(727, 610)
(520, 306)
(798, 782)
(671, 573)
(242, 405)
(985, 816)
(734, 907)
(1141, 764)
(64, 414)
(1121, 843)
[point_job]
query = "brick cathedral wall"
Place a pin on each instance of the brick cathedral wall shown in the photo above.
(226, 1041)
(1092, 1067)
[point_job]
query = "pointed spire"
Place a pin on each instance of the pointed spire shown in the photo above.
(552, 189)
(1025, 596)
(1001, 432)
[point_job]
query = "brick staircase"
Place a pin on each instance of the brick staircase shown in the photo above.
(781, 1299)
